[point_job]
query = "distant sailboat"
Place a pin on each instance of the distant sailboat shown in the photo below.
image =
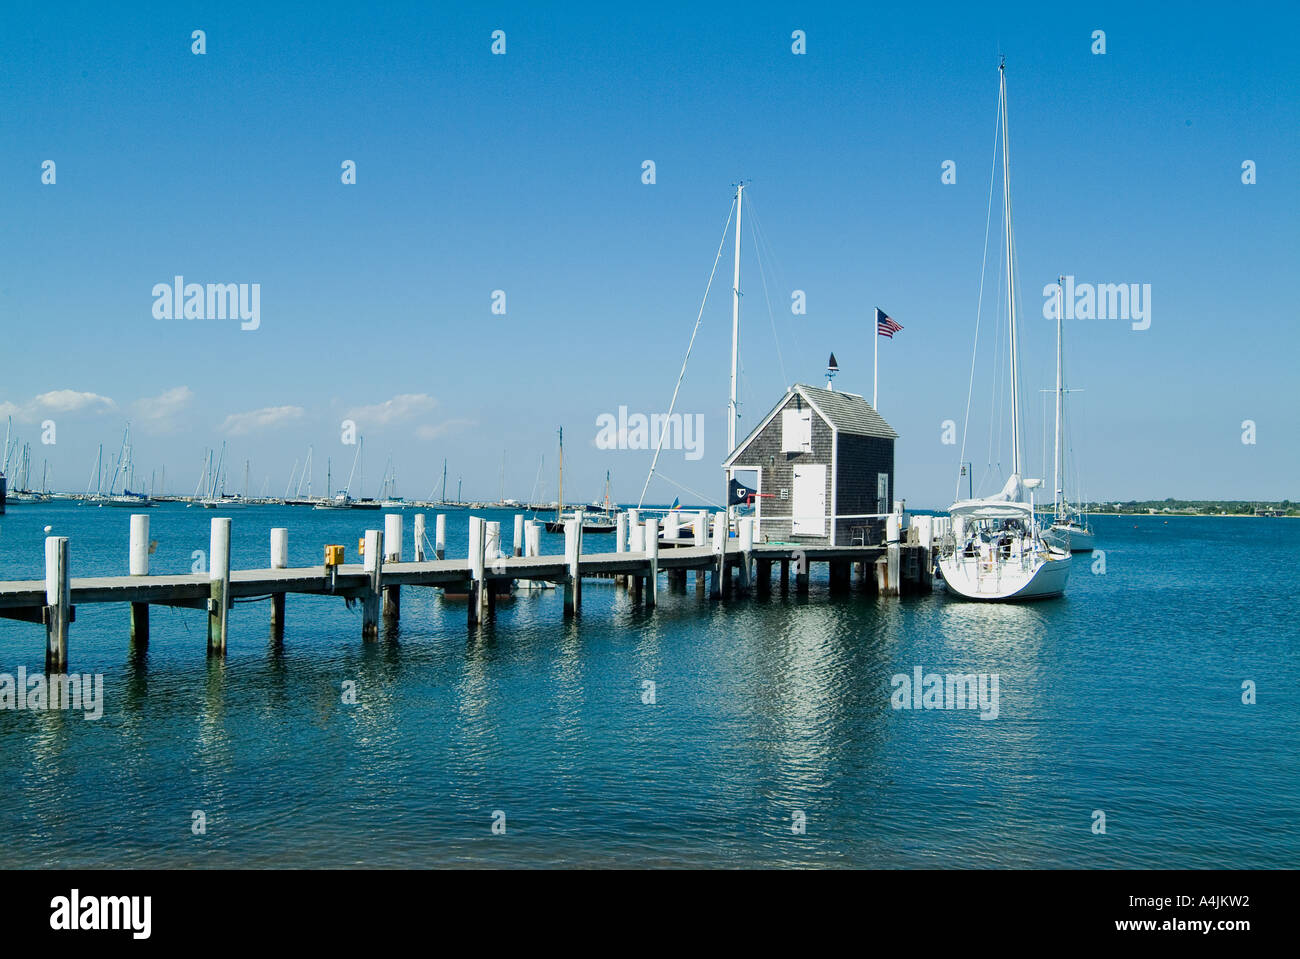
(126, 469)
(996, 551)
(591, 523)
(1069, 529)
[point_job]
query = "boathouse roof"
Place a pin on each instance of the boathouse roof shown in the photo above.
(845, 412)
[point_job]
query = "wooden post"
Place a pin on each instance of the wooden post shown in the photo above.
(785, 577)
(894, 587)
(440, 536)
(801, 575)
(533, 537)
(139, 566)
(372, 564)
(519, 534)
(746, 551)
(219, 585)
(764, 577)
(636, 539)
(652, 551)
(279, 560)
(419, 537)
(620, 543)
(572, 561)
(392, 554)
(477, 537)
(492, 553)
(719, 553)
(701, 528)
(58, 604)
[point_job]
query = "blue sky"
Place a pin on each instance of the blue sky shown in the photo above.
(522, 173)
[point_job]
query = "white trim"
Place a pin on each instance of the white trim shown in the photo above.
(835, 475)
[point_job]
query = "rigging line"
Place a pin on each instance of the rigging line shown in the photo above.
(680, 376)
(988, 219)
(762, 275)
(703, 499)
(995, 394)
(778, 275)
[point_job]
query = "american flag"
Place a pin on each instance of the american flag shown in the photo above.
(885, 326)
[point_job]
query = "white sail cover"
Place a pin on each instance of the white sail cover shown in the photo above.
(1005, 504)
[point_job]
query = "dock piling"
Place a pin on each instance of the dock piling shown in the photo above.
(393, 554)
(373, 565)
(477, 538)
(652, 551)
(746, 552)
(418, 534)
(138, 562)
(519, 534)
(218, 585)
(279, 560)
(58, 604)
(572, 561)
(719, 554)
(440, 536)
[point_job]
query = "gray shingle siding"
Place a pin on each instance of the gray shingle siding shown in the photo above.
(857, 462)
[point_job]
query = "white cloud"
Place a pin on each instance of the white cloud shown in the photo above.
(158, 412)
(399, 407)
(57, 402)
(238, 424)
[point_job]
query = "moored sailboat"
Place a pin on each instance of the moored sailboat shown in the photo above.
(1069, 530)
(996, 550)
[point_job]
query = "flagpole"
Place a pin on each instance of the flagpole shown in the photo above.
(875, 368)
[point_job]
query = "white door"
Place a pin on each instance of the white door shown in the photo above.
(809, 501)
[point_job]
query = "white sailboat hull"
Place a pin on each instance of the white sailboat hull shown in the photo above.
(974, 578)
(1074, 539)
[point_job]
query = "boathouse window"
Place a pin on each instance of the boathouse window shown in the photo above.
(796, 431)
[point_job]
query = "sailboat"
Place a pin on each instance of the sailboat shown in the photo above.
(343, 498)
(126, 467)
(388, 489)
(591, 522)
(996, 550)
(1069, 530)
(216, 497)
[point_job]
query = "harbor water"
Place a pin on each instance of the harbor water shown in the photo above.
(751, 733)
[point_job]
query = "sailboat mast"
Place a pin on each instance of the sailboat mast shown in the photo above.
(1011, 288)
(355, 459)
(559, 504)
(735, 324)
(1056, 455)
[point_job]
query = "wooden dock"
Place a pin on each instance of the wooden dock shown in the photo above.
(727, 565)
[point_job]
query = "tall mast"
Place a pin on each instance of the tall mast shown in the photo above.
(559, 505)
(735, 324)
(1011, 289)
(347, 492)
(444, 479)
(1056, 455)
